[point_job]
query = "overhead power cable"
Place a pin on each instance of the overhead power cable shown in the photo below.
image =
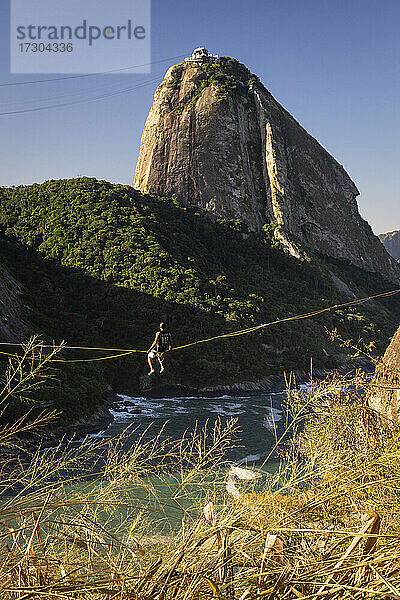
(46, 98)
(49, 105)
(77, 102)
(85, 75)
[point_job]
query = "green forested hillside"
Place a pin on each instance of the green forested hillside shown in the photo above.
(103, 264)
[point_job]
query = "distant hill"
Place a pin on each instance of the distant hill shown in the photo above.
(101, 264)
(391, 241)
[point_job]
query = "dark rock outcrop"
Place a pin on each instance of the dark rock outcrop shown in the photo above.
(12, 328)
(215, 138)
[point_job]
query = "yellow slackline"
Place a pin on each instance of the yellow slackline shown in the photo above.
(125, 351)
(75, 347)
(294, 318)
(7, 354)
(93, 359)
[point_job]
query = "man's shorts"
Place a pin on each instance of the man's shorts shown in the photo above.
(154, 354)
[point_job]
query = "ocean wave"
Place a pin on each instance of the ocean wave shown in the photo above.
(250, 458)
(273, 417)
(227, 411)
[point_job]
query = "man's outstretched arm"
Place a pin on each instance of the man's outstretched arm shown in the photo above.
(155, 341)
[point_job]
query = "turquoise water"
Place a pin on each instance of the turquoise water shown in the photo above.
(166, 500)
(260, 420)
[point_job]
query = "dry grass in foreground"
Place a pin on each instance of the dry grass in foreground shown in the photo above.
(145, 518)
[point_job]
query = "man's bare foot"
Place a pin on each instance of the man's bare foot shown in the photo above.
(151, 372)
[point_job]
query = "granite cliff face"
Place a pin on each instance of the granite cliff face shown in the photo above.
(391, 241)
(216, 138)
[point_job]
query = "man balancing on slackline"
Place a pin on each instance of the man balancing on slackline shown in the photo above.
(162, 343)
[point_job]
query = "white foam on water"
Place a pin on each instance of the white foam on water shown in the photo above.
(233, 398)
(274, 415)
(180, 398)
(152, 408)
(98, 434)
(250, 458)
(121, 416)
(124, 397)
(123, 413)
(220, 410)
(164, 407)
(176, 400)
(224, 406)
(233, 405)
(304, 386)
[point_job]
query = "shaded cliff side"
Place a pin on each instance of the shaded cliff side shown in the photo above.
(217, 139)
(28, 307)
(12, 327)
(391, 241)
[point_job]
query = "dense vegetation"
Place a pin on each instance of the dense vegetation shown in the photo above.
(103, 264)
(226, 75)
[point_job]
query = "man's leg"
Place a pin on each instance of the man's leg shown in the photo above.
(150, 364)
(161, 362)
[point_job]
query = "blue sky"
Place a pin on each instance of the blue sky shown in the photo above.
(333, 64)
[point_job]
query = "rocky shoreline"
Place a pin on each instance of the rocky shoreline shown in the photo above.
(269, 384)
(97, 422)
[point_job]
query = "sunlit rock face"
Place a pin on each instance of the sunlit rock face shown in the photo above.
(215, 138)
(391, 241)
(384, 396)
